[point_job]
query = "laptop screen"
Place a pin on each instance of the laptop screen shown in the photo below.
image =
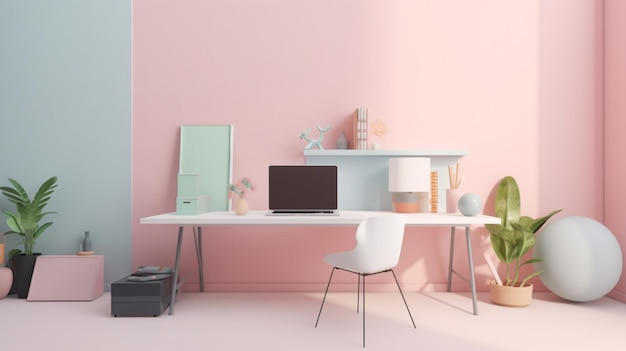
(303, 187)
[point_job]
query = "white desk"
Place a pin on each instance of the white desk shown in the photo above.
(352, 218)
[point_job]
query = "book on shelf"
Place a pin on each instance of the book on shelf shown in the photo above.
(360, 129)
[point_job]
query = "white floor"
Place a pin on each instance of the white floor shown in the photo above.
(285, 321)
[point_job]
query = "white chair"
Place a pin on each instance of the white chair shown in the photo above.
(378, 246)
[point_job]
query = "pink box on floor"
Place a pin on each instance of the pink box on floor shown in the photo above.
(67, 278)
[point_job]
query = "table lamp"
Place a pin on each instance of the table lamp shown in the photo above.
(409, 179)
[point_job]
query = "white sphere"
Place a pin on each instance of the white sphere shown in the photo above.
(470, 204)
(582, 260)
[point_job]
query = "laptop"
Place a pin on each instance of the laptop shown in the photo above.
(302, 190)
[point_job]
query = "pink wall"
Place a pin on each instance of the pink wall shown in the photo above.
(514, 83)
(570, 133)
(615, 111)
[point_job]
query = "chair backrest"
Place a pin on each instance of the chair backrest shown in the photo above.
(379, 242)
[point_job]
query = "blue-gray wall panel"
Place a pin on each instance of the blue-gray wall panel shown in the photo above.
(65, 108)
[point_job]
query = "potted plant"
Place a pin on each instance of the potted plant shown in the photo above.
(511, 240)
(25, 222)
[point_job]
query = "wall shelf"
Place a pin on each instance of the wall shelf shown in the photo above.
(385, 153)
(363, 174)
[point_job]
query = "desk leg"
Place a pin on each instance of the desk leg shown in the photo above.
(471, 268)
(451, 259)
(198, 241)
(175, 280)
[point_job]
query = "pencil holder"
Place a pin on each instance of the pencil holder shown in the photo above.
(452, 200)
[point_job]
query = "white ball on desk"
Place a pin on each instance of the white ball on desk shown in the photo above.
(470, 204)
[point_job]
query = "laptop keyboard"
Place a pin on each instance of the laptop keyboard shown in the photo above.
(301, 212)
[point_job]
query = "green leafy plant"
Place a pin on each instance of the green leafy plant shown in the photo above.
(515, 236)
(25, 221)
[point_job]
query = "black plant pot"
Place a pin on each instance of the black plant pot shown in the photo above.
(22, 267)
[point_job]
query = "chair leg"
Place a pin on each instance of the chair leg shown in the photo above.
(361, 287)
(363, 310)
(324, 299)
(405, 304)
(358, 293)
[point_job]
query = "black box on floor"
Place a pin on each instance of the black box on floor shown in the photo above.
(140, 299)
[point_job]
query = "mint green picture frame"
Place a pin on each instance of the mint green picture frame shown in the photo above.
(207, 150)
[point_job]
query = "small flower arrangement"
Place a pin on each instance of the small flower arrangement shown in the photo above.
(240, 188)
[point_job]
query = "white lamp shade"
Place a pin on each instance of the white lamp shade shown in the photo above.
(409, 174)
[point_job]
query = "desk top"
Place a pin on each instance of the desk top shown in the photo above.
(345, 218)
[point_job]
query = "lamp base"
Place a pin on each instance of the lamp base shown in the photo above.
(410, 202)
(405, 202)
(406, 207)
